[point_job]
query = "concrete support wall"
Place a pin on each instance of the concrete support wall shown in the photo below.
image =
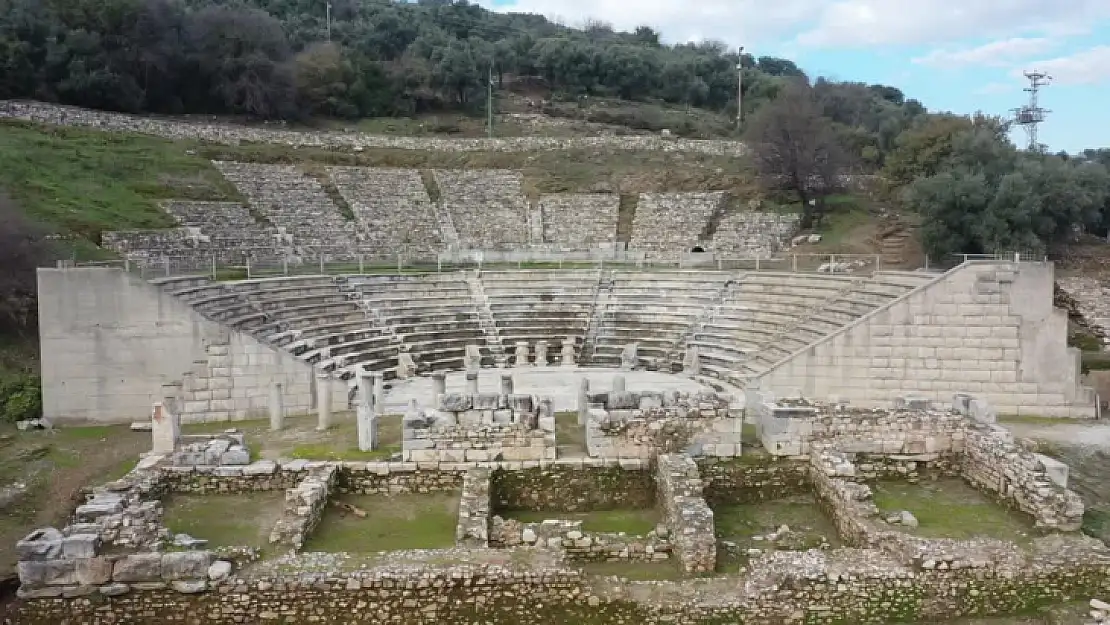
(110, 341)
(985, 328)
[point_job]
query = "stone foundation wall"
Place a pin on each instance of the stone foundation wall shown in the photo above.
(994, 463)
(481, 428)
(472, 529)
(575, 487)
(576, 544)
(751, 479)
(304, 507)
(685, 513)
(643, 425)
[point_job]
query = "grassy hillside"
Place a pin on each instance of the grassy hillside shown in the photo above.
(82, 182)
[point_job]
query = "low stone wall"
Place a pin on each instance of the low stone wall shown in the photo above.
(685, 513)
(577, 544)
(751, 479)
(304, 507)
(787, 428)
(481, 428)
(472, 529)
(995, 464)
(645, 424)
(575, 487)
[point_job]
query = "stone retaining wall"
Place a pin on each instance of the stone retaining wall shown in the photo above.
(480, 428)
(685, 513)
(234, 135)
(752, 479)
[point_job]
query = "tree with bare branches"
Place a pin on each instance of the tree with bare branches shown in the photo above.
(795, 148)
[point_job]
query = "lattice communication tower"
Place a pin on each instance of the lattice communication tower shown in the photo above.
(1031, 115)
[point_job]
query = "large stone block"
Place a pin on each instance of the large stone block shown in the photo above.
(94, 571)
(185, 565)
(41, 544)
(139, 567)
(80, 545)
(47, 573)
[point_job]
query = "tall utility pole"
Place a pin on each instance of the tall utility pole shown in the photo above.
(1031, 115)
(489, 103)
(740, 89)
(329, 20)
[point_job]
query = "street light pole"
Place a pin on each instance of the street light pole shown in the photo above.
(489, 103)
(329, 20)
(740, 89)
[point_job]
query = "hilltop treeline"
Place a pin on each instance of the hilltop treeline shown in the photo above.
(277, 59)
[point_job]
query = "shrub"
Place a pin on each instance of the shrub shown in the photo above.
(20, 397)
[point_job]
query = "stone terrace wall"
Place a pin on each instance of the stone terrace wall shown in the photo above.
(685, 513)
(752, 478)
(393, 207)
(1092, 296)
(749, 234)
(234, 135)
(579, 220)
(487, 207)
(672, 223)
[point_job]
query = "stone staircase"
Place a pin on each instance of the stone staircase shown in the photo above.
(485, 319)
(892, 240)
(602, 296)
(678, 351)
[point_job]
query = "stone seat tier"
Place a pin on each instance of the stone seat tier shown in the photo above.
(311, 317)
(286, 282)
(310, 312)
(300, 301)
(326, 332)
(433, 326)
(544, 319)
(908, 279)
(177, 284)
(549, 311)
(371, 361)
(399, 289)
(429, 301)
(420, 312)
(458, 338)
(369, 343)
(436, 317)
(197, 291)
(291, 292)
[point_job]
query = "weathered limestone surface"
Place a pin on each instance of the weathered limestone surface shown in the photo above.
(1092, 299)
(576, 544)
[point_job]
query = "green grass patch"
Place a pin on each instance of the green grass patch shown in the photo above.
(950, 508)
(570, 436)
(85, 182)
(1032, 419)
(740, 527)
(226, 520)
(325, 451)
(840, 222)
(1095, 361)
(396, 522)
(631, 522)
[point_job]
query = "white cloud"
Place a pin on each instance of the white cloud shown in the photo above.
(828, 23)
(1002, 53)
(1087, 67)
(863, 23)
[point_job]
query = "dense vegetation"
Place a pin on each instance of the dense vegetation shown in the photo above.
(277, 59)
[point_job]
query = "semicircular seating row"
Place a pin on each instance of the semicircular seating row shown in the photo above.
(741, 323)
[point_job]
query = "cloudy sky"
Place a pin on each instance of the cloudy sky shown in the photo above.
(956, 55)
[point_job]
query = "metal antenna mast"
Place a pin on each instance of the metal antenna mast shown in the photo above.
(740, 89)
(1031, 115)
(329, 20)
